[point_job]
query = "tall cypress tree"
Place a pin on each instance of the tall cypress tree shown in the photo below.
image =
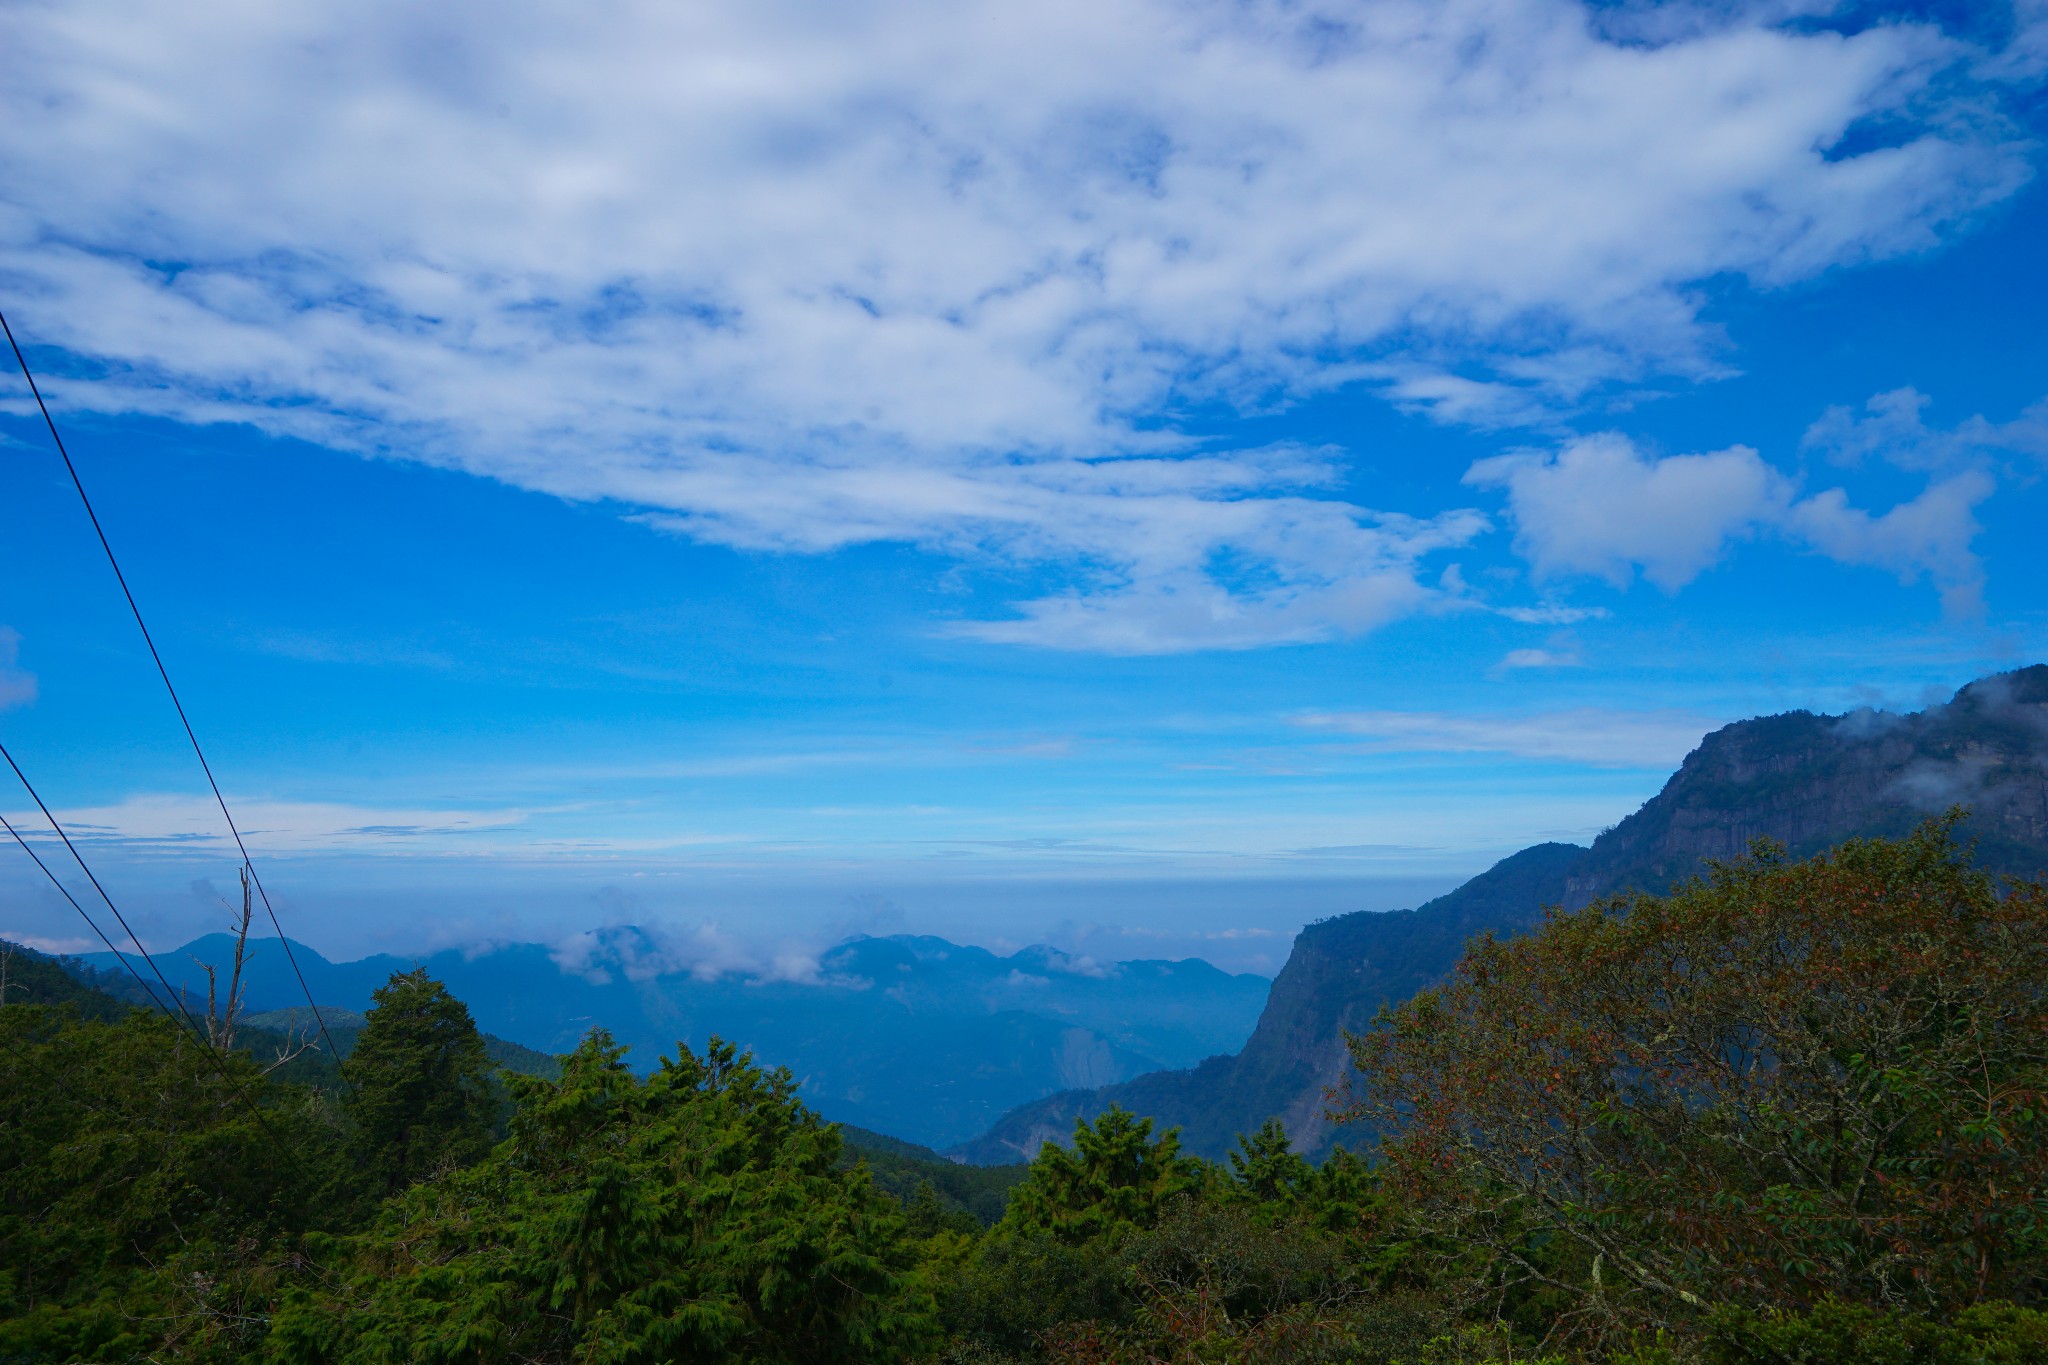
(1118, 1178)
(422, 1097)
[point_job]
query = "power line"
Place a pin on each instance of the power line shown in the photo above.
(177, 996)
(220, 1063)
(90, 921)
(179, 706)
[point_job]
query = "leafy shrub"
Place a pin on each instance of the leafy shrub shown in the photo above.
(1789, 1083)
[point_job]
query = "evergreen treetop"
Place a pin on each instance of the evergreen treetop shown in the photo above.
(422, 1098)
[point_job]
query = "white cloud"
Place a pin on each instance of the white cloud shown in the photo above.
(704, 952)
(1891, 429)
(1601, 507)
(1551, 614)
(1634, 739)
(1929, 536)
(17, 684)
(1319, 568)
(62, 946)
(1050, 959)
(794, 276)
(192, 823)
(1542, 658)
(2026, 56)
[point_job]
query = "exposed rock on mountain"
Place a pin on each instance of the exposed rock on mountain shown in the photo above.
(1805, 780)
(1810, 781)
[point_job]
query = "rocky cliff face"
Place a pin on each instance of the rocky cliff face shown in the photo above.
(1804, 780)
(1810, 781)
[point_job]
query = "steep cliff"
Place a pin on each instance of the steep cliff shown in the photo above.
(1806, 780)
(1810, 781)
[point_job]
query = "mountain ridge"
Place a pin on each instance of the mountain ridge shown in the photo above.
(1807, 781)
(914, 1036)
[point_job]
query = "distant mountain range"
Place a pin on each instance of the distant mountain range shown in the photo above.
(344, 1026)
(1808, 781)
(911, 1036)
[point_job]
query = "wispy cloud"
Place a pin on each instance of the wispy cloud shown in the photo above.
(192, 823)
(1542, 658)
(1634, 739)
(60, 946)
(1893, 428)
(17, 684)
(307, 647)
(791, 276)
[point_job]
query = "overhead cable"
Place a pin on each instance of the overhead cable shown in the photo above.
(58, 440)
(177, 996)
(91, 923)
(205, 1042)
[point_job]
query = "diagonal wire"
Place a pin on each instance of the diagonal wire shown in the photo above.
(179, 706)
(82, 914)
(205, 1043)
(177, 996)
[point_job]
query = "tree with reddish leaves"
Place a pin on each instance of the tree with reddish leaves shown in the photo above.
(1785, 1084)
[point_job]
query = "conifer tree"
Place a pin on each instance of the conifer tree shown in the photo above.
(422, 1098)
(699, 1215)
(1266, 1168)
(1117, 1178)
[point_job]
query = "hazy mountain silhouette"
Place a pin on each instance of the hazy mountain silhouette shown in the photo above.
(911, 1036)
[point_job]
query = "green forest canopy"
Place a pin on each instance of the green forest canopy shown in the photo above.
(1791, 1112)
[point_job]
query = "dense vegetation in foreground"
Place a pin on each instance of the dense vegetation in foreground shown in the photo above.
(1797, 1112)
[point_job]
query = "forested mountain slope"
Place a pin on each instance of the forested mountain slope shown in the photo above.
(1805, 780)
(908, 1035)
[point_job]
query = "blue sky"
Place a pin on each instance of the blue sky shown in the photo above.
(1141, 476)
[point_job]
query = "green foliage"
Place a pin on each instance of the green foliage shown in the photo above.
(1015, 1287)
(1215, 1281)
(981, 1193)
(1124, 1250)
(28, 977)
(1117, 1179)
(147, 1202)
(698, 1215)
(1266, 1169)
(422, 1098)
(1342, 1194)
(930, 1213)
(1793, 1115)
(1837, 1333)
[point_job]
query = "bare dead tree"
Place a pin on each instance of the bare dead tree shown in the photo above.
(223, 1016)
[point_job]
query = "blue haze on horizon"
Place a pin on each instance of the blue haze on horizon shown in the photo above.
(807, 472)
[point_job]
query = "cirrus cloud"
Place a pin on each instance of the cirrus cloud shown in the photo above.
(190, 823)
(1591, 735)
